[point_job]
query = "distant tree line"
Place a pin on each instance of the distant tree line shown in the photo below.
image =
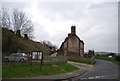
(16, 21)
(50, 45)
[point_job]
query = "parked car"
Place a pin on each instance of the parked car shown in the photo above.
(22, 57)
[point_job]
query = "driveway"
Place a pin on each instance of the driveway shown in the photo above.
(102, 70)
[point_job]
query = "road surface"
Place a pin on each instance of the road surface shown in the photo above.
(102, 70)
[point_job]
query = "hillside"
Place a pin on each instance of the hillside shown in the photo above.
(12, 43)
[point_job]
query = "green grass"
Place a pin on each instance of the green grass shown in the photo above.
(46, 55)
(81, 60)
(108, 59)
(24, 70)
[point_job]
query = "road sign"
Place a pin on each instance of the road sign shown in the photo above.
(40, 55)
(34, 54)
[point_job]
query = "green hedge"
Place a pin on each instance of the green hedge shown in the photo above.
(117, 58)
(114, 60)
(81, 60)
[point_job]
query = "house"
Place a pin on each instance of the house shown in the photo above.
(111, 55)
(72, 45)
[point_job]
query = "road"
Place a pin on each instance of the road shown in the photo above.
(102, 70)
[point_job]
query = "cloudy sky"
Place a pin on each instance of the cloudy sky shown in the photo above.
(96, 22)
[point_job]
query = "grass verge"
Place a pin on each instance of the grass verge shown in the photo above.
(24, 70)
(81, 60)
(113, 60)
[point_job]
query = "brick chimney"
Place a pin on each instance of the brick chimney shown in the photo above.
(73, 30)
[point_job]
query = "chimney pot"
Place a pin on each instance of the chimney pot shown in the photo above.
(73, 30)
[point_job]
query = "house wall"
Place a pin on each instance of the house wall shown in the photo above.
(65, 49)
(72, 47)
(81, 49)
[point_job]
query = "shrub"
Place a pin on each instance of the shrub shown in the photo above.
(117, 58)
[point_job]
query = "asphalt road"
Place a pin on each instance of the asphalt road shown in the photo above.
(102, 70)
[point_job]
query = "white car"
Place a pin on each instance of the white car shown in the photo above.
(22, 57)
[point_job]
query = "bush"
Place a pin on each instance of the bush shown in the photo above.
(81, 60)
(18, 33)
(117, 58)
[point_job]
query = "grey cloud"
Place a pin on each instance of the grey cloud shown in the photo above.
(96, 23)
(12, 5)
(100, 28)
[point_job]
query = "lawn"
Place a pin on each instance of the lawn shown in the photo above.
(108, 59)
(25, 70)
(81, 60)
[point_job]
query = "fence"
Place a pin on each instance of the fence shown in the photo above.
(54, 60)
(45, 60)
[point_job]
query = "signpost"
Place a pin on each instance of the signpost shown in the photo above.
(38, 55)
(34, 55)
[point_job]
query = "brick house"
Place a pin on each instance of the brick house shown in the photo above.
(72, 45)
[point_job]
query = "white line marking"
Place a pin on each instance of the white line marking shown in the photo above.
(96, 77)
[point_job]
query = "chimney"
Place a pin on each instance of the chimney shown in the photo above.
(73, 30)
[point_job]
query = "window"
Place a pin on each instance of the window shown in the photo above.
(13, 54)
(24, 54)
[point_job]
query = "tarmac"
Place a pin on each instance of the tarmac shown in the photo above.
(64, 76)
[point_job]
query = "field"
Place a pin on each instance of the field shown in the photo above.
(25, 70)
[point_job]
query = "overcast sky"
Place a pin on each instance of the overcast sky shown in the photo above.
(96, 22)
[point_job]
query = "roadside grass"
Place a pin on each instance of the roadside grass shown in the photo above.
(25, 70)
(81, 60)
(113, 60)
(46, 55)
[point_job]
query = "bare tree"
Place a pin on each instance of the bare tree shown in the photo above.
(0, 19)
(5, 18)
(17, 21)
(22, 23)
